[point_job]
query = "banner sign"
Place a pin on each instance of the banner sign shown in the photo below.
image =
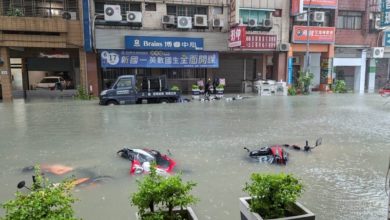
(320, 3)
(87, 31)
(319, 35)
(234, 12)
(260, 41)
(386, 39)
(296, 7)
(158, 59)
(163, 43)
(385, 15)
(237, 37)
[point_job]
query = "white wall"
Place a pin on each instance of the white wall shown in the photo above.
(315, 67)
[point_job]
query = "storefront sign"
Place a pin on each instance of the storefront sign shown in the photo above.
(385, 15)
(386, 39)
(87, 27)
(158, 59)
(237, 37)
(318, 35)
(163, 43)
(296, 7)
(321, 3)
(260, 42)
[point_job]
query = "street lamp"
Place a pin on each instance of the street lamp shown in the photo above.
(308, 39)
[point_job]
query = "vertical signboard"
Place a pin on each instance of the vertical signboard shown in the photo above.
(87, 27)
(237, 37)
(385, 9)
(296, 7)
(234, 12)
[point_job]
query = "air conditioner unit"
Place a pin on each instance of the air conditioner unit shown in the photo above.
(200, 20)
(217, 22)
(377, 52)
(301, 17)
(267, 23)
(184, 22)
(284, 47)
(319, 16)
(378, 25)
(134, 16)
(168, 19)
(252, 22)
(69, 15)
(112, 13)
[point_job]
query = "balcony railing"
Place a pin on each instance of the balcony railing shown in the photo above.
(40, 8)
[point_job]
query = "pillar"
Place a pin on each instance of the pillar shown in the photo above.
(92, 74)
(280, 66)
(83, 68)
(371, 76)
(5, 77)
(360, 74)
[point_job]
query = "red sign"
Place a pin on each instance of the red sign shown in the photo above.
(296, 7)
(237, 36)
(319, 35)
(260, 42)
(321, 3)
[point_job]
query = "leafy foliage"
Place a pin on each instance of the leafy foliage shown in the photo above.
(45, 201)
(304, 81)
(340, 86)
(82, 94)
(220, 86)
(292, 91)
(175, 88)
(164, 193)
(195, 87)
(15, 12)
(272, 193)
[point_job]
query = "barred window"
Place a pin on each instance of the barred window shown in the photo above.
(186, 10)
(349, 20)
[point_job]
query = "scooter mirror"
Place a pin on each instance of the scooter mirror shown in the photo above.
(21, 184)
(319, 142)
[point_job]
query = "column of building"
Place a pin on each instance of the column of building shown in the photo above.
(5, 77)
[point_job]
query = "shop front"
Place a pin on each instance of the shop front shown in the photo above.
(183, 60)
(320, 45)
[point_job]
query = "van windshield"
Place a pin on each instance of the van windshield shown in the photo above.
(49, 80)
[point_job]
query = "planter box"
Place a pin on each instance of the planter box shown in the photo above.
(195, 94)
(187, 211)
(302, 212)
(219, 92)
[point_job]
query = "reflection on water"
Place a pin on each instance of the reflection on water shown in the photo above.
(344, 177)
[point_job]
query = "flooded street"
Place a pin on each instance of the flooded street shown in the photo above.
(344, 178)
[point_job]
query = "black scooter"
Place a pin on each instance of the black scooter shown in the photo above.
(305, 148)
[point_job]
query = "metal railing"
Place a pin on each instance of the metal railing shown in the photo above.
(40, 8)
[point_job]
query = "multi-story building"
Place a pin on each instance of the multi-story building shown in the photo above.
(40, 38)
(188, 40)
(359, 53)
(317, 19)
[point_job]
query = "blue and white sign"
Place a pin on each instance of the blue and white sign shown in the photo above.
(385, 18)
(158, 59)
(386, 39)
(163, 43)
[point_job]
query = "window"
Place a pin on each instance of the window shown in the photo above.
(349, 20)
(186, 10)
(217, 10)
(246, 14)
(136, 6)
(150, 6)
(185, 73)
(124, 83)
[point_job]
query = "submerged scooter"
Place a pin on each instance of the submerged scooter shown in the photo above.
(274, 155)
(305, 148)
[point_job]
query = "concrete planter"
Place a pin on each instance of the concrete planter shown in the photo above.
(195, 93)
(302, 212)
(219, 92)
(189, 212)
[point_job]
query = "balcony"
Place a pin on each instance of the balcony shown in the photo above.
(14, 23)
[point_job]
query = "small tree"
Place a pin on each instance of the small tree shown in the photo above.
(304, 81)
(164, 193)
(45, 201)
(272, 194)
(340, 86)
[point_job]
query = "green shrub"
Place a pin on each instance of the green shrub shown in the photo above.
(340, 86)
(175, 88)
(45, 201)
(15, 12)
(304, 81)
(220, 86)
(292, 91)
(272, 194)
(82, 94)
(195, 87)
(164, 193)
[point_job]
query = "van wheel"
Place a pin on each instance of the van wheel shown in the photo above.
(111, 103)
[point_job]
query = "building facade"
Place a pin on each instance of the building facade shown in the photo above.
(359, 37)
(38, 39)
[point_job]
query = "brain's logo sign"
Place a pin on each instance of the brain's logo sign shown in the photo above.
(300, 33)
(111, 58)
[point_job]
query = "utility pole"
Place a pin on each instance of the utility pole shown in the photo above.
(308, 39)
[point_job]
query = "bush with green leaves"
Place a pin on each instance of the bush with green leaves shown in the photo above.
(340, 86)
(272, 194)
(304, 81)
(195, 87)
(220, 86)
(82, 94)
(175, 88)
(15, 12)
(45, 201)
(158, 195)
(292, 91)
